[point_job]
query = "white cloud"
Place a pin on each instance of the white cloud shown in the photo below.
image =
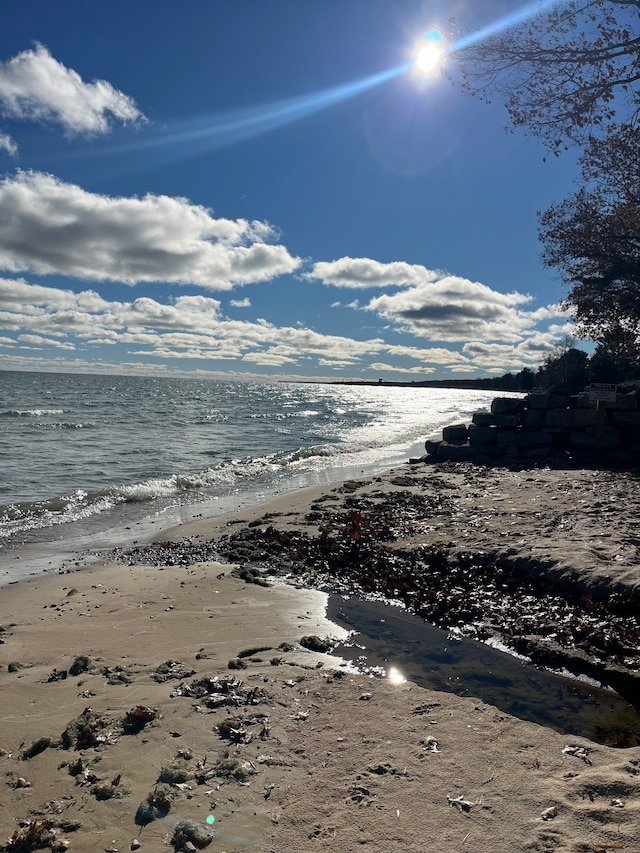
(240, 303)
(38, 340)
(7, 144)
(190, 328)
(456, 309)
(428, 355)
(435, 305)
(381, 367)
(36, 87)
(51, 227)
(363, 273)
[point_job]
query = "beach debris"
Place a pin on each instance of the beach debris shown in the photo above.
(618, 803)
(550, 813)
(429, 744)
(234, 732)
(116, 675)
(135, 844)
(578, 751)
(37, 747)
(220, 691)
(108, 790)
(272, 761)
(57, 675)
(254, 650)
(137, 718)
(40, 834)
(425, 708)
(58, 807)
(89, 729)
(171, 669)
(250, 574)
(230, 766)
(21, 782)
(460, 803)
(15, 666)
(80, 664)
(156, 806)
(176, 773)
(187, 832)
(364, 697)
(315, 644)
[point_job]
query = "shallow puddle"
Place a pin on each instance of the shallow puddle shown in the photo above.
(389, 637)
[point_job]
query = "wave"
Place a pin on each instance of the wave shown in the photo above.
(29, 413)
(168, 490)
(64, 425)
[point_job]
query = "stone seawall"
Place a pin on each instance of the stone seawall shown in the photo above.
(546, 425)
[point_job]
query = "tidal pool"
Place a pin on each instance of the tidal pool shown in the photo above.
(389, 637)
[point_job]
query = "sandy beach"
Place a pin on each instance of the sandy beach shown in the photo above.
(158, 700)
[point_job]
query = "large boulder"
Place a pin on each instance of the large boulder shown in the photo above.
(455, 434)
(507, 406)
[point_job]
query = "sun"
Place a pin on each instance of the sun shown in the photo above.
(429, 54)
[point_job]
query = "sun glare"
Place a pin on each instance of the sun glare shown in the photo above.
(429, 53)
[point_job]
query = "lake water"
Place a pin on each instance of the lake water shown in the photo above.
(84, 459)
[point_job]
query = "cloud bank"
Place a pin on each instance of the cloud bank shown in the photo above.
(51, 227)
(194, 328)
(435, 305)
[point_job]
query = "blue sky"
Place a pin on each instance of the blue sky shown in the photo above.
(264, 187)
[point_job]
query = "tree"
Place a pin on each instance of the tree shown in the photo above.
(569, 73)
(593, 238)
(612, 365)
(564, 365)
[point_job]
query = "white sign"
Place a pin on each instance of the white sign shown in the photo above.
(603, 391)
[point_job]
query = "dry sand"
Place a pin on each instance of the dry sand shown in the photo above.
(299, 758)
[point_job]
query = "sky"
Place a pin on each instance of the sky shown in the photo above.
(266, 188)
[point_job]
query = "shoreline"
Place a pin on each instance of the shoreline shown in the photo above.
(303, 757)
(465, 546)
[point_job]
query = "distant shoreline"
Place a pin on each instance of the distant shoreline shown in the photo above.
(451, 384)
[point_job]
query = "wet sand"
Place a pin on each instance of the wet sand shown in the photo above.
(285, 749)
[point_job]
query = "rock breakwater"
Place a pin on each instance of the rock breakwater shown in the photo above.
(547, 426)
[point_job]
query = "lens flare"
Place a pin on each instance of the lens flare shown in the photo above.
(430, 53)
(395, 676)
(207, 133)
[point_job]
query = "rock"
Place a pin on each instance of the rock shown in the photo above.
(547, 401)
(455, 434)
(135, 844)
(542, 425)
(21, 782)
(481, 434)
(507, 405)
(487, 419)
(522, 439)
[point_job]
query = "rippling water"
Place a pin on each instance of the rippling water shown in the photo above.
(94, 454)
